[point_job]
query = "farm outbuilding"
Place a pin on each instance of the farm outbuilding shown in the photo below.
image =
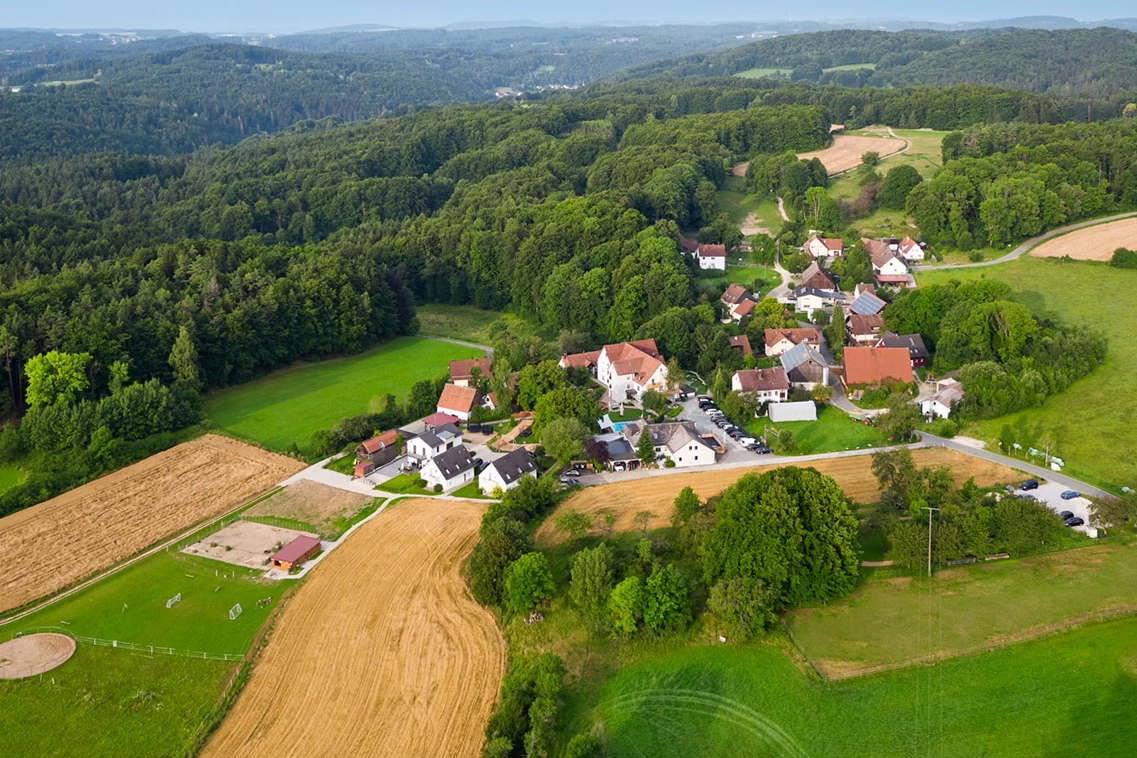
(295, 552)
(805, 410)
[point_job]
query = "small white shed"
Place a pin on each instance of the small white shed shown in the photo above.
(803, 410)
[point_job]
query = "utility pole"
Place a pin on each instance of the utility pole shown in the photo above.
(929, 509)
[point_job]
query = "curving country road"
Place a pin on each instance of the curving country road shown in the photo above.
(1030, 243)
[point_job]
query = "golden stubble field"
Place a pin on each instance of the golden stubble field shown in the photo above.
(1094, 243)
(657, 494)
(846, 151)
(60, 541)
(382, 651)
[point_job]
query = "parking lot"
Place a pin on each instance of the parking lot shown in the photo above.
(1051, 494)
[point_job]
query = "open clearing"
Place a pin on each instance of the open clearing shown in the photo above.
(244, 543)
(846, 151)
(657, 493)
(1094, 243)
(286, 406)
(60, 541)
(889, 621)
(1069, 695)
(1093, 423)
(34, 654)
(323, 507)
(382, 651)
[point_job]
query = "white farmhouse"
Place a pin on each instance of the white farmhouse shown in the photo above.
(434, 442)
(678, 442)
(629, 369)
(451, 469)
(711, 257)
(507, 471)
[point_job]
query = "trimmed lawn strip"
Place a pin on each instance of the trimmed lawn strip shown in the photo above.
(286, 406)
(887, 621)
(404, 484)
(834, 430)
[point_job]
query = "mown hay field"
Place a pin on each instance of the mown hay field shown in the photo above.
(846, 151)
(381, 652)
(58, 542)
(657, 493)
(1094, 243)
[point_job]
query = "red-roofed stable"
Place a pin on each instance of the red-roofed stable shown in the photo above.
(296, 552)
(435, 420)
(872, 366)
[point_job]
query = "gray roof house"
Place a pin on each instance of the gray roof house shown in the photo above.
(451, 469)
(507, 471)
(804, 366)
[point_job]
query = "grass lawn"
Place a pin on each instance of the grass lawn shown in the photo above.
(10, 477)
(737, 203)
(471, 490)
(833, 430)
(629, 414)
(758, 73)
(754, 277)
(344, 465)
(852, 67)
(286, 406)
(888, 620)
(459, 322)
(131, 606)
(1068, 695)
(405, 484)
(1095, 420)
(111, 703)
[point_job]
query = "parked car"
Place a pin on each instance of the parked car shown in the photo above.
(1029, 484)
(1070, 495)
(568, 480)
(761, 449)
(573, 473)
(474, 428)
(526, 432)
(748, 441)
(1076, 521)
(1065, 515)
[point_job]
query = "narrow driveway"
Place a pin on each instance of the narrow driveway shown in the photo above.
(1030, 243)
(487, 348)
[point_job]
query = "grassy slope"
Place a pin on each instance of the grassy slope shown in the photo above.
(458, 322)
(887, 621)
(288, 405)
(111, 703)
(833, 430)
(1095, 420)
(1064, 695)
(925, 154)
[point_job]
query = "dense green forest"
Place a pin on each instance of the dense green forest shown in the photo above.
(1082, 68)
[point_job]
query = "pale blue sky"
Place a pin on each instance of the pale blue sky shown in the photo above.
(291, 16)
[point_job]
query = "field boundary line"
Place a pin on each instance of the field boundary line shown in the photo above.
(1045, 630)
(145, 553)
(136, 648)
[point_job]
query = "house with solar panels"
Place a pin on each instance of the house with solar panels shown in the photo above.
(805, 367)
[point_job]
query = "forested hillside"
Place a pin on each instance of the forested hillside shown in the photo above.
(1079, 66)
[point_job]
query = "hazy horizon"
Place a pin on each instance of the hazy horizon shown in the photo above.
(256, 16)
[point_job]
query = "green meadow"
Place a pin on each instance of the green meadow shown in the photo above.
(286, 406)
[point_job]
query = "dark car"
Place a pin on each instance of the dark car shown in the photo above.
(1070, 495)
(1029, 484)
(527, 432)
(1076, 521)
(1065, 515)
(474, 428)
(569, 481)
(761, 449)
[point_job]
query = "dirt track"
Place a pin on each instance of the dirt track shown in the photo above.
(60, 541)
(381, 652)
(1094, 243)
(657, 494)
(846, 151)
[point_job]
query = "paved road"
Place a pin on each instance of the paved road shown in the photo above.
(1029, 244)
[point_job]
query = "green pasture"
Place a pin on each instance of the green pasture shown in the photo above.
(286, 406)
(759, 73)
(851, 67)
(106, 703)
(736, 203)
(10, 477)
(130, 605)
(1066, 695)
(458, 322)
(888, 621)
(833, 430)
(1094, 421)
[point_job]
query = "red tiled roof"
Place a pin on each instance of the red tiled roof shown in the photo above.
(831, 243)
(873, 365)
(455, 398)
(440, 419)
(711, 251)
(743, 342)
(796, 336)
(688, 244)
(581, 360)
(892, 278)
(464, 369)
(763, 380)
(377, 443)
(865, 324)
(734, 293)
(745, 308)
(873, 247)
(296, 549)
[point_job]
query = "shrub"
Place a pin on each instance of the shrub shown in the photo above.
(1123, 258)
(528, 582)
(438, 488)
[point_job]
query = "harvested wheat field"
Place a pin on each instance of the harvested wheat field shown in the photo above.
(60, 541)
(846, 151)
(381, 652)
(657, 493)
(311, 502)
(1094, 243)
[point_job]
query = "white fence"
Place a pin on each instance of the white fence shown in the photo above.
(153, 649)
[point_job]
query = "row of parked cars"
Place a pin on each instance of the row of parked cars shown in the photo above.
(722, 422)
(1068, 518)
